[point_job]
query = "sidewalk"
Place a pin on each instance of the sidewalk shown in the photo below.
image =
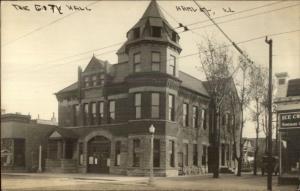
(50, 181)
(79, 176)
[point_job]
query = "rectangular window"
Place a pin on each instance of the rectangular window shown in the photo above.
(171, 153)
(136, 156)
(85, 113)
(195, 116)
(111, 114)
(94, 80)
(75, 114)
(86, 81)
(156, 153)
(171, 107)
(100, 112)
(204, 152)
(137, 105)
(155, 105)
(101, 78)
(195, 155)
(203, 118)
(155, 61)
(156, 31)
(80, 153)
(172, 65)
(186, 154)
(136, 33)
(185, 114)
(137, 62)
(118, 153)
(229, 120)
(281, 81)
(93, 113)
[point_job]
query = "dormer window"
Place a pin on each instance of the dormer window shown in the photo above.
(136, 33)
(101, 79)
(86, 81)
(156, 31)
(94, 80)
(174, 37)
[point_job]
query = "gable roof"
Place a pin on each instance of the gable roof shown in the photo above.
(60, 132)
(192, 83)
(293, 88)
(95, 64)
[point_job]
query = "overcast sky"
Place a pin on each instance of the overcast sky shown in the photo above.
(41, 49)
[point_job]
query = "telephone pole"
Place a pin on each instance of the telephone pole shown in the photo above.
(270, 160)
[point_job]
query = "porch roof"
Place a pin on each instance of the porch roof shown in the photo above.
(62, 133)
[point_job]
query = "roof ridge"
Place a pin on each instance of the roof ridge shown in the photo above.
(190, 75)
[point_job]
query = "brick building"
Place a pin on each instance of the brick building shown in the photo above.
(20, 140)
(105, 115)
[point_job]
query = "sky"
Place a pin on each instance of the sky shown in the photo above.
(43, 43)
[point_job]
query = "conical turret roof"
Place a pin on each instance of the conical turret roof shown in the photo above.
(153, 10)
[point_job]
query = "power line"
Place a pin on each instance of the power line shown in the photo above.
(232, 42)
(238, 12)
(196, 53)
(244, 17)
(81, 53)
(225, 46)
(42, 27)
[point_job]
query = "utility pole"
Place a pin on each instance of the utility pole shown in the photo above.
(270, 160)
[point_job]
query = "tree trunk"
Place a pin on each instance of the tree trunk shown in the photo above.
(256, 140)
(216, 143)
(240, 160)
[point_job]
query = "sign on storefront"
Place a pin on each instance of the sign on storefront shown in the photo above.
(290, 120)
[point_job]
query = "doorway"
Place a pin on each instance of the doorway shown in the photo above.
(98, 157)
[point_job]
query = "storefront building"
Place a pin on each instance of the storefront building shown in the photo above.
(288, 120)
(21, 138)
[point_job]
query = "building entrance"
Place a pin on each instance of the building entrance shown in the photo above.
(98, 155)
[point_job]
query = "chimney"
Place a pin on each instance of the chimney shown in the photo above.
(282, 84)
(53, 117)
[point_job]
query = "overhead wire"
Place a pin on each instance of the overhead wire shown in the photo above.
(78, 54)
(44, 26)
(199, 52)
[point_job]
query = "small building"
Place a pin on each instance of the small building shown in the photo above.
(288, 120)
(104, 117)
(20, 140)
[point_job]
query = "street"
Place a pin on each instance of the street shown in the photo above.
(44, 181)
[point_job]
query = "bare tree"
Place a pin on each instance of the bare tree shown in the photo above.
(216, 63)
(243, 86)
(259, 89)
